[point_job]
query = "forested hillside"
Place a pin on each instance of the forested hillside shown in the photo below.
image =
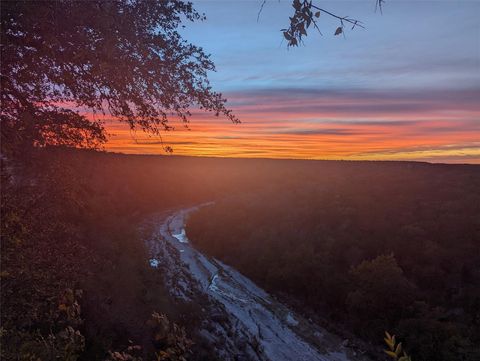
(75, 275)
(362, 247)
(76, 283)
(365, 246)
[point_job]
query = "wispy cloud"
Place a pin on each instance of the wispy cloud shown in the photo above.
(322, 124)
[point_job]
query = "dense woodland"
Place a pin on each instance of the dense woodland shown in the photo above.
(362, 246)
(75, 278)
(75, 275)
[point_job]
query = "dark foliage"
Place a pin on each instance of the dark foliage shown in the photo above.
(369, 246)
(373, 246)
(70, 220)
(306, 15)
(122, 57)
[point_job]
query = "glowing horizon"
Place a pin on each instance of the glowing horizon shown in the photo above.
(439, 127)
(387, 93)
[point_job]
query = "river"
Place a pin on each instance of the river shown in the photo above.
(246, 322)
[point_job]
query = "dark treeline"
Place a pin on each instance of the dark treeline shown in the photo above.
(75, 275)
(363, 246)
(302, 229)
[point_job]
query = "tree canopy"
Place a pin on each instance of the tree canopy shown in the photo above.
(125, 58)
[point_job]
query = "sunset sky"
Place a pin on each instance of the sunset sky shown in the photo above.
(405, 88)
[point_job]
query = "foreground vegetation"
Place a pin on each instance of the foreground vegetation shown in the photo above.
(367, 246)
(76, 283)
(362, 247)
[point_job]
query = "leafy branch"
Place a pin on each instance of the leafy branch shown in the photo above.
(395, 349)
(307, 14)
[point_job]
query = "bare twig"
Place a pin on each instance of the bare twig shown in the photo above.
(341, 18)
(378, 5)
(261, 8)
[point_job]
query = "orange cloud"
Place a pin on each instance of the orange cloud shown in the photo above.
(315, 125)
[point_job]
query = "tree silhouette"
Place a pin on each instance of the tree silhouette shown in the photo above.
(306, 14)
(125, 58)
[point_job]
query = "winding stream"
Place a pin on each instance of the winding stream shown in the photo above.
(255, 326)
